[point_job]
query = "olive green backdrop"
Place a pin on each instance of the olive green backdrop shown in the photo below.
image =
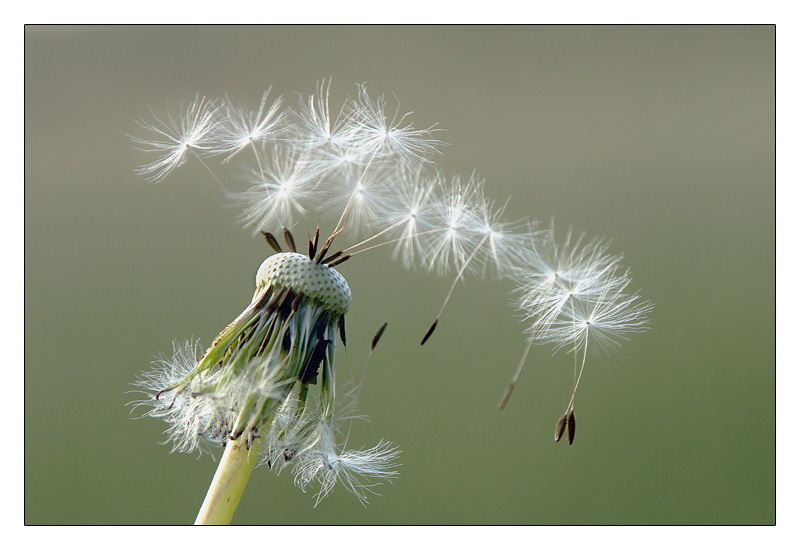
(661, 138)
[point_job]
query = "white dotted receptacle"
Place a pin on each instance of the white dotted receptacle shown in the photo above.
(303, 275)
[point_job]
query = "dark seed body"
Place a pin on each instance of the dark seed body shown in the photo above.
(324, 250)
(571, 427)
(378, 335)
(272, 241)
(312, 244)
(342, 333)
(341, 260)
(332, 257)
(560, 426)
(287, 236)
(428, 334)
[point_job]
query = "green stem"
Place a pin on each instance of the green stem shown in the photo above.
(229, 482)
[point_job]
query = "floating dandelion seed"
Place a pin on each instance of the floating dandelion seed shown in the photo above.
(573, 296)
(364, 176)
(240, 127)
(173, 139)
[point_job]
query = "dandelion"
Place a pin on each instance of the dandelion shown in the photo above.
(364, 176)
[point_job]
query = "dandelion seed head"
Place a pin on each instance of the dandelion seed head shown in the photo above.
(269, 376)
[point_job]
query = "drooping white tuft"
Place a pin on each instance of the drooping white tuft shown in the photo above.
(303, 275)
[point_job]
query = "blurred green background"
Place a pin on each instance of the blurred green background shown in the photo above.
(659, 137)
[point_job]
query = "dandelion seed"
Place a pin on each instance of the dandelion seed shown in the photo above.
(174, 138)
(282, 193)
(323, 137)
(362, 195)
(240, 128)
(455, 226)
(352, 468)
(495, 244)
(374, 130)
(554, 279)
(407, 215)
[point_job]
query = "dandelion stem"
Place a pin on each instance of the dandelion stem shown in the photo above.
(578, 381)
(207, 167)
(510, 388)
(339, 227)
(375, 236)
(258, 159)
(229, 482)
